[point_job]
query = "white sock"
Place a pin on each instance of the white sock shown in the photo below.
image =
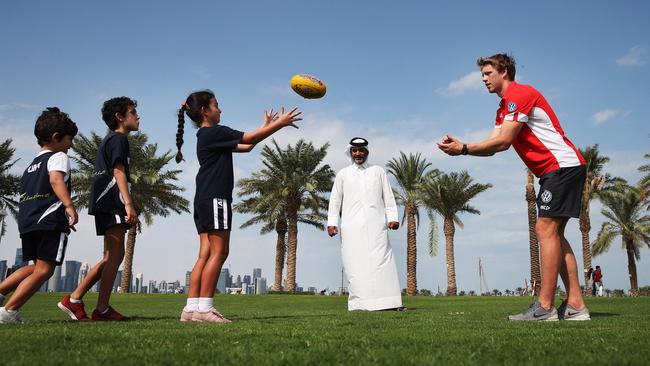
(192, 304)
(75, 301)
(205, 303)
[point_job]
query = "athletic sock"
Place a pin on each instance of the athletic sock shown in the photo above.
(205, 303)
(192, 304)
(75, 301)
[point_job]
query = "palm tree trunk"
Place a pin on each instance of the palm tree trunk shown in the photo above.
(533, 243)
(585, 228)
(292, 231)
(631, 268)
(128, 261)
(449, 230)
(411, 253)
(280, 249)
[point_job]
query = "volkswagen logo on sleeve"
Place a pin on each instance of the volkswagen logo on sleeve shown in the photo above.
(512, 106)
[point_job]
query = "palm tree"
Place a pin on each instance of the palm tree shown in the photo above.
(302, 180)
(409, 172)
(644, 183)
(533, 243)
(595, 182)
(152, 188)
(9, 185)
(623, 207)
(448, 195)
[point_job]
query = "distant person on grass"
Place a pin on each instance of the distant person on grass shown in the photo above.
(526, 121)
(213, 198)
(112, 205)
(598, 282)
(45, 212)
(362, 205)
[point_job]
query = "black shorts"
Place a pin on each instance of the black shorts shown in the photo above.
(214, 214)
(560, 192)
(44, 245)
(105, 221)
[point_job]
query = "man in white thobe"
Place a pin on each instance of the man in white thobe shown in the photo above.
(364, 200)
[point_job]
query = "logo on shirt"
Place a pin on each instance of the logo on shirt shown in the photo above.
(547, 196)
(512, 106)
(34, 167)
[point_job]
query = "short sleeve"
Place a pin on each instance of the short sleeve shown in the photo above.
(117, 150)
(518, 106)
(59, 162)
(221, 137)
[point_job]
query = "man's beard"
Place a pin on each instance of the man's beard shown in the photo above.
(359, 161)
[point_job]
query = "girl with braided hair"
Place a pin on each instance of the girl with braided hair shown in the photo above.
(214, 185)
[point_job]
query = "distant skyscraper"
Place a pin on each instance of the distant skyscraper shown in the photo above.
(312, 289)
(118, 281)
(162, 287)
(139, 279)
(257, 272)
(54, 283)
(19, 262)
(152, 287)
(187, 278)
(247, 279)
(3, 270)
(83, 271)
(71, 275)
(260, 286)
(237, 281)
(222, 283)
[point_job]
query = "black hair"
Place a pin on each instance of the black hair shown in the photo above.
(52, 121)
(116, 105)
(191, 107)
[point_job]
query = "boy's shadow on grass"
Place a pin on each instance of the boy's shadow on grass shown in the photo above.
(599, 314)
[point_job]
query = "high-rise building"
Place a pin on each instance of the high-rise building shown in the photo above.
(83, 271)
(260, 286)
(19, 262)
(162, 287)
(118, 281)
(139, 279)
(247, 279)
(257, 272)
(54, 283)
(3, 270)
(152, 287)
(71, 275)
(312, 289)
(222, 283)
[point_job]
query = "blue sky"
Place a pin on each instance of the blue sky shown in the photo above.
(401, 74)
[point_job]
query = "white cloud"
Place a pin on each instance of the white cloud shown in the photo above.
(635, 56)
(605, 115)
(469, 82)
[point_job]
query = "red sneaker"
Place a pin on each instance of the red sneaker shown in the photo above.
(111, 314)
(76, 311)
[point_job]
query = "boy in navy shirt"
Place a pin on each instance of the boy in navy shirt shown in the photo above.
(45, 211)
(112, 206)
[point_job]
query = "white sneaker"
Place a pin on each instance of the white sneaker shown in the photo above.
(12, 317)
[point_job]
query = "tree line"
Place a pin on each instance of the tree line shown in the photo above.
(292, 187)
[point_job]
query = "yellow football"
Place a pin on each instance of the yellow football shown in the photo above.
(308, 86)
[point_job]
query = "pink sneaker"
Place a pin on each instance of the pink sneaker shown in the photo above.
(186, 315)
(210, 316)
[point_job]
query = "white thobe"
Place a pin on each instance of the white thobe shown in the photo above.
(364, 200)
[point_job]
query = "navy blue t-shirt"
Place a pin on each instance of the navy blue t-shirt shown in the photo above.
(214, 148)
(105, 195)
(39, 208)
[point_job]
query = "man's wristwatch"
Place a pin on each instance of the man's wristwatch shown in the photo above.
(463, 151)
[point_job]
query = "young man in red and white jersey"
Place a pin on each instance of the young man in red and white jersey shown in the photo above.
(526, 121)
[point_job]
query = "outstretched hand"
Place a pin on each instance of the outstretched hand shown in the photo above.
(269, 116)
(393, 225)
(332, 231)
(450, 145)
(289, 118)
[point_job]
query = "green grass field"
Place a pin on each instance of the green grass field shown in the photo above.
(311, 330)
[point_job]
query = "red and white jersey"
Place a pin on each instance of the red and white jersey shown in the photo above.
(541, 143)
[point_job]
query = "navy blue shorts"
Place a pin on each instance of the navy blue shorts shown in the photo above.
(214, 214)
(560, 192)
(44, 245)
(105, 221)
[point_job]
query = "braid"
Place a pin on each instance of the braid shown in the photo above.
(179, 132)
